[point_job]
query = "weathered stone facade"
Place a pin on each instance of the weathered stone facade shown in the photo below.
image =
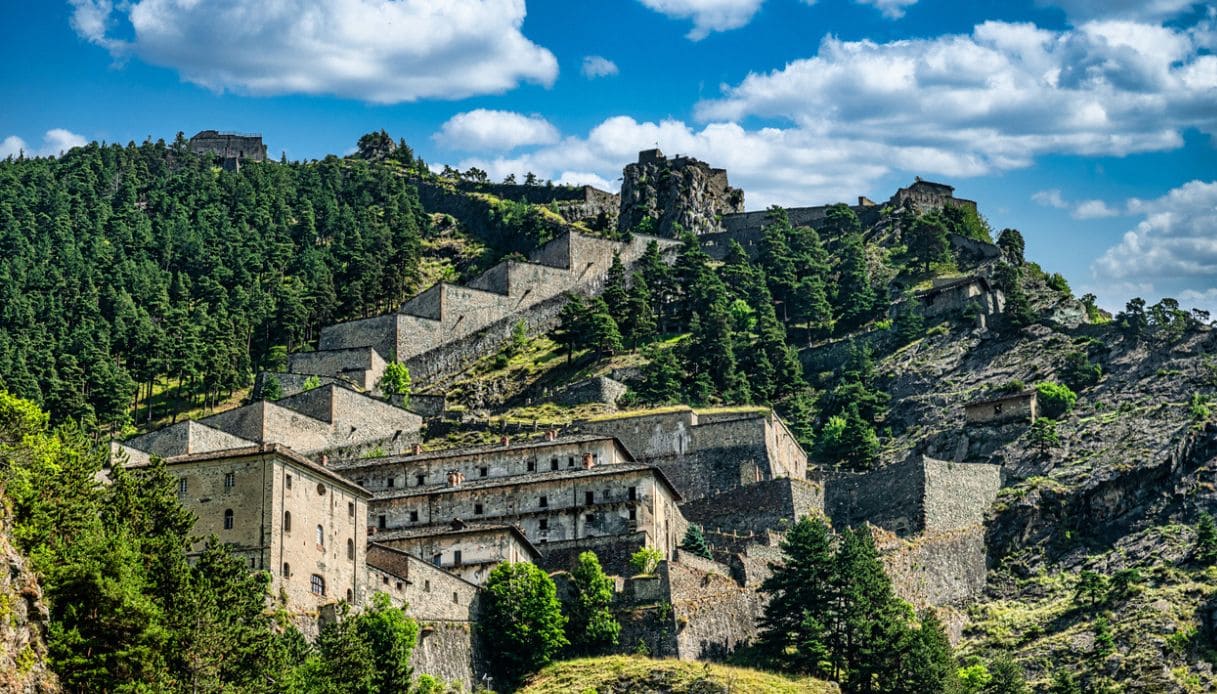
(284, 514)
(1009, 407)
(233, 148)
(757, 508)
(469, 551)
(708, 452)
(680, 192)
(962, 294)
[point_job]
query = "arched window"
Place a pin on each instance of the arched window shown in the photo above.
(350, 548)
(287, 521)
(318, 584)
(287, 570)
(228, 519)
(350, 596)
(320, 536)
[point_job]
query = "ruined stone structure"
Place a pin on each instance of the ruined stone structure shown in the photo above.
(961, 294)
(232, 148)
(999, 409)
(678, 192)
(448, 326)
(284, 514)
(705, 453)
(594, 208)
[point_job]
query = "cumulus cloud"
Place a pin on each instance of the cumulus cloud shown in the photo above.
(1146, 10)
(598, 66)
(708, 15)
(996, 98)
(484, 129)
(381, 51)
(55, 141)
(1086, 209)
(892, 9)
(1176, 238)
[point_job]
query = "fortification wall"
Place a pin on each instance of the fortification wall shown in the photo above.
(293, 383)
(378, 332)
(890, 497)
(939, 567)
(958, 495)
(757, 508)
(613, 551)
(599, 390)
(450, 651)
(715, 616)
(185, 437)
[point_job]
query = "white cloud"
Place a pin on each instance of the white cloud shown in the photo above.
(1086, 209)
(598, 66)
(483, 129)
(1173, 250)
(994, 99)
(55, 141)
(707, 15)
(381, 51)
(1146, 10)
(892, 9)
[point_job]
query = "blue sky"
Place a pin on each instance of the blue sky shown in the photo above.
(1087, 124)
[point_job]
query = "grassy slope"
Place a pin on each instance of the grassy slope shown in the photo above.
(614, 674)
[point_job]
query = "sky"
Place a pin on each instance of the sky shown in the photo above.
(1089, 125)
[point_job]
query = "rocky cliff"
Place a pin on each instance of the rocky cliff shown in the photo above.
(23, 621)
(678, 192)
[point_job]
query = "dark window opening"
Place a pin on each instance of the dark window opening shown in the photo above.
(287, 521)
(287, 570)
(230, 480)
(437, 559)
(420, 479)
(477, 509)
(482, 472)
(414, 516)
(544, 501)
(589, 498)
(456, 558)
(532, 466)
(287, 481)
(228, 523)
(318, 585)
(553, 464)
(544, 524)
(633, 493)
(391, 482)
(633, 513)
(380, 522)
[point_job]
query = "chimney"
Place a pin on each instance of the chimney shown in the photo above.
(589, 461)
(551, 435)
(506, 441)
(418, 449)
(325, 460)
(455, 477)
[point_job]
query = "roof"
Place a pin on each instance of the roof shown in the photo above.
(465, 529)
(531, 478)
(474, 450)
(1029, 392)
(371, 562)
(265, 449)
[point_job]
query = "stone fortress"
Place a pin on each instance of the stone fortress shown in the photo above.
(231, 148)
(330, 489)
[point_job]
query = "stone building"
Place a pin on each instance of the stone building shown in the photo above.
(678, 192)
(232, 148)
(469, 551)
(959, 294)
(284, 514)
(925, 195)
(708, 452)
(1007, 407)
(562, 496)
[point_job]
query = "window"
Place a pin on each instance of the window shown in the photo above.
(590, 518)
(182, 486)
(287, 521)
(287, 481)
(456, 598)
(437, 559)
(633, 513)
(482, 472)
(456, 558)
(350, 548)
(544, 501)
(589, 498)
(320, 536)
(350, 595)
(553, 464)
(633, 493)
(380, 522)
(320, 489)
(997, 409)
(477, 509)
(228, 519)
(253, 563)
(230, 480)
(570, 461)
(532, 466)
(287, 570)
(391, 482)
(604, 495)
(351, 509)
(398, 586)
(427, 586)
(420, 479)
(414, 516)
(384, 580)
(318, 584)
(544, 524)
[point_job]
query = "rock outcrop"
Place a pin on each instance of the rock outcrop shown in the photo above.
(23, 622)
(681, 191)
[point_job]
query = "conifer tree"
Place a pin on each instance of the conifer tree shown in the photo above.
(859, 446)
(776, 258)
(603, 334)
(1017, 311)
(1006, 677)
(909, 323)
(1206, 540)
(871, 623)
(658, 276)
(616, 294)
(810, 306)
(929, 662)
(695, 542)
(1010, 241)
(661, 378)
(855, 299)
(573, 325)
(927, 240)
(795, 627)
(640, 317)
(737, 272)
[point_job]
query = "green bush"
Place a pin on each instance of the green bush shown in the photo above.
(1055, 399)
(645, 560)
(1078, 372)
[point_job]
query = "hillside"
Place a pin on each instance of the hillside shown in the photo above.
(621, 674)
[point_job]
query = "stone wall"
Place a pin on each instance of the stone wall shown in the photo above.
(756, 508)
(958, 495)
(450, 651)
(598, 390)
(230, 146)
(293, 383)
(184, 438)
(362, 366)
(1015, 407)
(612, 551)
(937, 568)
(958, 296)
(715, 616)
(430, 592)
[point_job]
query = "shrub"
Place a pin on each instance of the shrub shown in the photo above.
(1058, 282)
(1055, 399)
(645, 560)
(1078, 372)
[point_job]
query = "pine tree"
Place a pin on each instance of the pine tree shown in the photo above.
(909, 323)
(658, 276)
(855, 300)
(1017, 311)
(1206, 540)
(810, 306)
(794, 631)
(1006, 677)
(616, 294)
(641, 322)
(695, 542)
(573, 325)
(776, 258)
(1043, 435)
(1010, 241)
(859, 446)
(271, 388)
(661, 378)
(604, 337)
(871, 626)
(929, 662)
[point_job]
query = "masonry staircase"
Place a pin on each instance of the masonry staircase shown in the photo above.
(437, 332)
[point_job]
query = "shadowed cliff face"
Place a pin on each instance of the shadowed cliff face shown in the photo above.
(23, 621)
